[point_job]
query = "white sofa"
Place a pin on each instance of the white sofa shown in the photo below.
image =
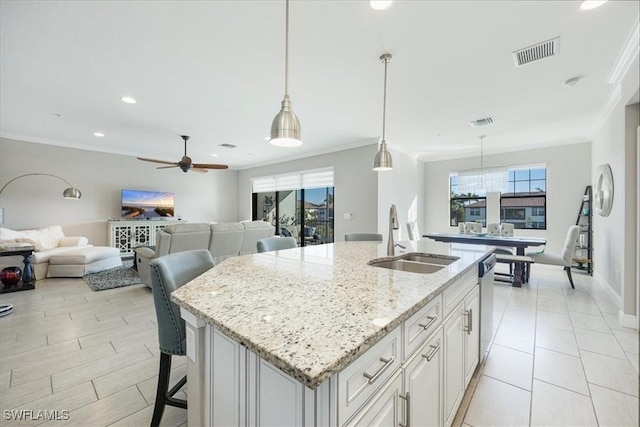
(223, 240)
(73, 255)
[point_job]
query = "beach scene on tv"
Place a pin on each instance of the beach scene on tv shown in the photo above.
(146, 204)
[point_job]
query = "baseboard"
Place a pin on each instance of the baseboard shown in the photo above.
(627, 320)
(617, 299)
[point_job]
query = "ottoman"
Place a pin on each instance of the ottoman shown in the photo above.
(82, 261)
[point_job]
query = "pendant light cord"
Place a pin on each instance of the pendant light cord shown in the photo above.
(286, 52)
(385, 58)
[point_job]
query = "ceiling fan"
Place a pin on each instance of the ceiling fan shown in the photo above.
(185, 163)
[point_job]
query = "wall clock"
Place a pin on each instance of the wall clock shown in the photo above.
(603, 190)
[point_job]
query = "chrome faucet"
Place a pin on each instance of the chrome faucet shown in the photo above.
(393, 225)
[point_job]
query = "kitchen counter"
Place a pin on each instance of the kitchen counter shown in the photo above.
(311, 311)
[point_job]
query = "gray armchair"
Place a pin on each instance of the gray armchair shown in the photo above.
(168, 273)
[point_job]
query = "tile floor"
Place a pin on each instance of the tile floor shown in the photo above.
(559, 357)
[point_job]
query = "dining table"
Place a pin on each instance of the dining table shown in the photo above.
(520, 243)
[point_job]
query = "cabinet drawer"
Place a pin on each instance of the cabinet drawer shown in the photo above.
(358, 381)
(458, 290)
(420, 325)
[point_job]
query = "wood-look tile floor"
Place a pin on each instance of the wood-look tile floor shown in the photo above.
(91, 356)
(559, 357)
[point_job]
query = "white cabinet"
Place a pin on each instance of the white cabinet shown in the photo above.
(384, 409)
(414, 376)
(472, 334)
(462, 351)
(423, 384)
(127, 235)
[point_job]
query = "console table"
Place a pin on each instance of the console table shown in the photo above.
(28, 278)
(127, 235)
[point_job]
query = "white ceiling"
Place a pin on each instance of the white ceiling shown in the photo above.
(215, 70)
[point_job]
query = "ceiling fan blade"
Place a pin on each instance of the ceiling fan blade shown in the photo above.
(197, 169)
(209, 166)
(157, 161)
(167, 167)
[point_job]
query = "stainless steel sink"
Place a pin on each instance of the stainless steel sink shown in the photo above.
(430, 259)
(415, 262)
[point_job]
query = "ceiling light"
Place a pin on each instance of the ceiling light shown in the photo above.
(98, 134)
(483, 180)
(383, 161)
(380, 4)
(592, 4)
(285, 129)
(128, 100)
(214, 155)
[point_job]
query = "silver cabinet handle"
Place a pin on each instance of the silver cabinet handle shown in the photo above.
(469, 327)
(376, 375)
(433, 352)
(407, 410)
(431, 320)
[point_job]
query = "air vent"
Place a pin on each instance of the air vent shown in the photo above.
(481, 122)
(536, 52)
(227, 145)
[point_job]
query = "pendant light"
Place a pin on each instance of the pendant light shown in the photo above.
(383, 160)
(285, 129)
(483, 180)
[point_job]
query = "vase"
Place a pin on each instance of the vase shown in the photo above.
(10, 276)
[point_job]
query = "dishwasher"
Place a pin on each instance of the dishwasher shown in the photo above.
(485, 278)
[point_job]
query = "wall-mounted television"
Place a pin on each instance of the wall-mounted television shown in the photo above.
(138, 204)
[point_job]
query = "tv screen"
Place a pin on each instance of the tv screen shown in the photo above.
(137, 204)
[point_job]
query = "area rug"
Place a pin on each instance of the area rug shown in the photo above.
(116, 277)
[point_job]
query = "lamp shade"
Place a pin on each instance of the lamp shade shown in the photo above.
(285, 129)
(383, 161)
(71, 193)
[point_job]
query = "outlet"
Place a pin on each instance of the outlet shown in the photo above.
(347, 216)
(191, 344)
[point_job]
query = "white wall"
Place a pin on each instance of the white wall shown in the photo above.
(404, 187)
(568, 173)
(356, 186)
(37, 201)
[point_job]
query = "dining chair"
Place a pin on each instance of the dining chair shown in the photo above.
(276, 244)
(363, 237)
(412, 230)
(493, 228)
(563, 259)
(168, 273)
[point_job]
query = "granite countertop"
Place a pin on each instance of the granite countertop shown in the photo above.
(311, 311)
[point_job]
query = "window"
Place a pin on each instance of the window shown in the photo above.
(299, 205)
(524, 203)
(465, 207)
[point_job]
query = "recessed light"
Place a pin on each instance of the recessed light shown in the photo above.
(98, 134)
(380, 4)
(128, 100)
(592, 4)
(214, 155)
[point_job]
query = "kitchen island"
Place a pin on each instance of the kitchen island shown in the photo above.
(317, 336)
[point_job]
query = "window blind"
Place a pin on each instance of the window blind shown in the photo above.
(318, 178)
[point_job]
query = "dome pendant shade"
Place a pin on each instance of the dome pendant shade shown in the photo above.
(285, 129)
(383, 161)
(71, 193)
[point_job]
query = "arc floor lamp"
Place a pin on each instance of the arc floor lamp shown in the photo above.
(69, 193)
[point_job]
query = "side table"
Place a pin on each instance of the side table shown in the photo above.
(28, 279)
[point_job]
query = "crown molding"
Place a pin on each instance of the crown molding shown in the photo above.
(612, 100)
(628, 55)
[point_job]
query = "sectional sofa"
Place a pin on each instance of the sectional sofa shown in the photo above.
(223, 240)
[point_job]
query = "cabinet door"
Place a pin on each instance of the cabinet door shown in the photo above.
(423, 383)
(472, 334)
(385, 409)
(454, 337)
